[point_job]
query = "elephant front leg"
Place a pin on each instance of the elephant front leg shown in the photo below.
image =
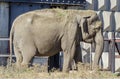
(68, 58)
(66, 62)
(99, 42)
(69, 44)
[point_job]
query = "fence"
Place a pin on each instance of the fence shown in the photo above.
(109, 12)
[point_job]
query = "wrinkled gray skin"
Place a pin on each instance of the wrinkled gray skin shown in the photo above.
(46, 32)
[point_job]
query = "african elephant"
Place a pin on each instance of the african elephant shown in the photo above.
(48, 31)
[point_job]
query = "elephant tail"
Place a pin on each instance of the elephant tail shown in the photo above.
(11, 43)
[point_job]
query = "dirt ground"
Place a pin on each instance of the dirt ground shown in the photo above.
(40, 72)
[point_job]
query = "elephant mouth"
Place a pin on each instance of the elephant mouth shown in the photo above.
(96, 24)
(95, 27)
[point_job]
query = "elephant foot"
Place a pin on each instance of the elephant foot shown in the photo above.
(66, 70)
(92, 71)
(72, 71)
(24, 65)
(73, 65)
(95, 68)
(18, 65)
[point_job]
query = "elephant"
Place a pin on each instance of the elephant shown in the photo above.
(48, 31)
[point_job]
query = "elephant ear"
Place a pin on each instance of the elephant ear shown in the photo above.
(83, 24)
(95, 19)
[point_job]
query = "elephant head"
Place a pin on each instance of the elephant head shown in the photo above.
(91, 29)
(89, 25)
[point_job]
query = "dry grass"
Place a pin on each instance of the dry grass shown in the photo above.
(40, 72)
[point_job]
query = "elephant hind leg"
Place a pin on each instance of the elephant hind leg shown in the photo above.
(28, 52)
(19, 57)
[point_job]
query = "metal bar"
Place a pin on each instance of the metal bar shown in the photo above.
(117, 56)
(1, 55)
(72, 4)
(73, 1)
(4, 39)
(6, 55)
(65, 2)
(117, 40)
(41, 56)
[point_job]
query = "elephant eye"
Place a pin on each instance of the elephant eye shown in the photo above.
(78, 25)
(93, 23)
